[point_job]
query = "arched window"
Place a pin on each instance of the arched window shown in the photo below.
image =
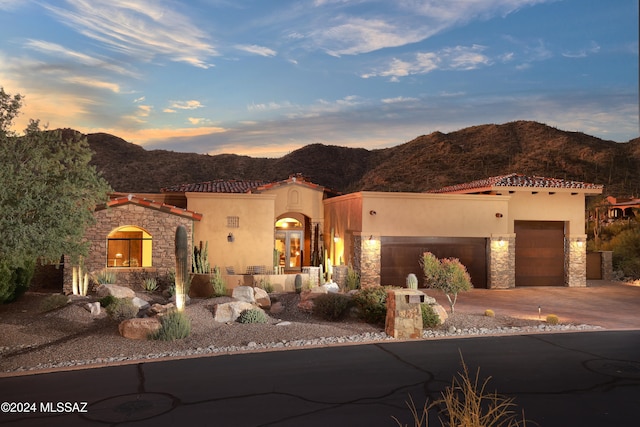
(129, 247)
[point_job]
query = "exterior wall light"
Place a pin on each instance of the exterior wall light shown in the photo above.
(498, 215)
(230, 238)
(372, 213)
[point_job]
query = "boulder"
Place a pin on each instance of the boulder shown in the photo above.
(440, 311)
(140, 303)
(307, 297)
(93, 308)
(331, 287)
(115, 291)
(230, 311)
(139, 328)
(261, 298)
(244, 293)
(276, 308)
(160, 308)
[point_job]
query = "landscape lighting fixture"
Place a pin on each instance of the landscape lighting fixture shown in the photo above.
(336, 238)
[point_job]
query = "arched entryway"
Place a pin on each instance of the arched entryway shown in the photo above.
(291, 242)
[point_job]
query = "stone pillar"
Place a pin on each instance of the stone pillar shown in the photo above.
(606, 260)
(575, 261)
(314, 275)
(404, 314)
(502, 261)
(369, 259)
(340, 275)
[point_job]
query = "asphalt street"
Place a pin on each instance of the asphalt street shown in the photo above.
(565, 379)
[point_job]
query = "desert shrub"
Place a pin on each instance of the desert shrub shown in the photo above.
(122, 309)
(352, 281)
(466, 402)
(107, 300)
(447, 275)
(626, 251)
(430, 318)
(266, 285)
(252, 315)
(175, 325)
(552, 319)
(217, 283)
(105, 277)
(53, 301)
(14, 281)
(150, 284)
(489, 313)
(372, 303)
(331, 306)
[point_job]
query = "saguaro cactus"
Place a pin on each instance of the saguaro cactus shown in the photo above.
(182, 271)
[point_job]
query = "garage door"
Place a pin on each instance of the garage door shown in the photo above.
(401, 256)
(539, 253)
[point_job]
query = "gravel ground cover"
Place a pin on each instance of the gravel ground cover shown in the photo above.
(70, 336)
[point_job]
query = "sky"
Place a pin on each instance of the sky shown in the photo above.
(264, 78)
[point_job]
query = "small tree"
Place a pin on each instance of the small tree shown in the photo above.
(48, 192)
(447, 275)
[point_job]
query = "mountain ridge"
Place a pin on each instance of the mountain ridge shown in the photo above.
(427, 162)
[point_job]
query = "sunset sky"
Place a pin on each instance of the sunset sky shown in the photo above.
(264, 78)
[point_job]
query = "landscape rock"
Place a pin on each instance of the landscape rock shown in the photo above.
(243, 293)
(230, 311)
(276, 308)
(261, 298)
(441, 312)
(139, 328)
(331, 287)
(140, 303)
(93, 308)
(115, 291)
(161, 308)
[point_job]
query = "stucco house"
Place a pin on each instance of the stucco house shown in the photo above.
(511, 230)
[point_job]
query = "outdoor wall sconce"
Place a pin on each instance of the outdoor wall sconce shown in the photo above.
(372, 213)
(498, 215)
(230, 238)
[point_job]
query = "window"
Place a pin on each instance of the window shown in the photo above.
(129, 247)
(233, 222)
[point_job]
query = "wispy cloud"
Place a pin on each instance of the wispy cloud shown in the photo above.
(453, 58)
(99, 84)
(144, 29)
(191, 104)
(59, 51)
(257, 50)
(10, 4)
(583, 53)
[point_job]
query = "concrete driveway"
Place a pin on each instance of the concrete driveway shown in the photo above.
(612, 305)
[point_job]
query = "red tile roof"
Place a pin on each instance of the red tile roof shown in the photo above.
(516, 180)
(170, 209)
(217, 186)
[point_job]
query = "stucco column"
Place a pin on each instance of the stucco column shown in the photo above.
(502, 261)
(369, 259)
(575, 261)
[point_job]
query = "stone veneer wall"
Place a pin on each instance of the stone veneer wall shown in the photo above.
(160, 225)
(502, 262)
(367, 255)
(606, 261)
(575, 261)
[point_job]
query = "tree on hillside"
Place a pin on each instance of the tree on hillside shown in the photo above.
(447, 275)
(48, 192)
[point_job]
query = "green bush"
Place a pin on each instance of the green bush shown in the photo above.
(552, 319)
(14, 281)
(352, 281)
(331, 306)
(217, 283)
(122, 309)
(372, 303)
(106, 301)
(53, 301)
(626, 251)
(176, 325)
(253, 315)
(430, 318)
(265, 285)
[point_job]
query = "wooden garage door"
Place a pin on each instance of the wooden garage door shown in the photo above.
(401, 256)
(539, 253)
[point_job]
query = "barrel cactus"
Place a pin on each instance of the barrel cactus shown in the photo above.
(253, 315)
(412, 281)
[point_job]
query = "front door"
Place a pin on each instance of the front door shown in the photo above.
(289, 244)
